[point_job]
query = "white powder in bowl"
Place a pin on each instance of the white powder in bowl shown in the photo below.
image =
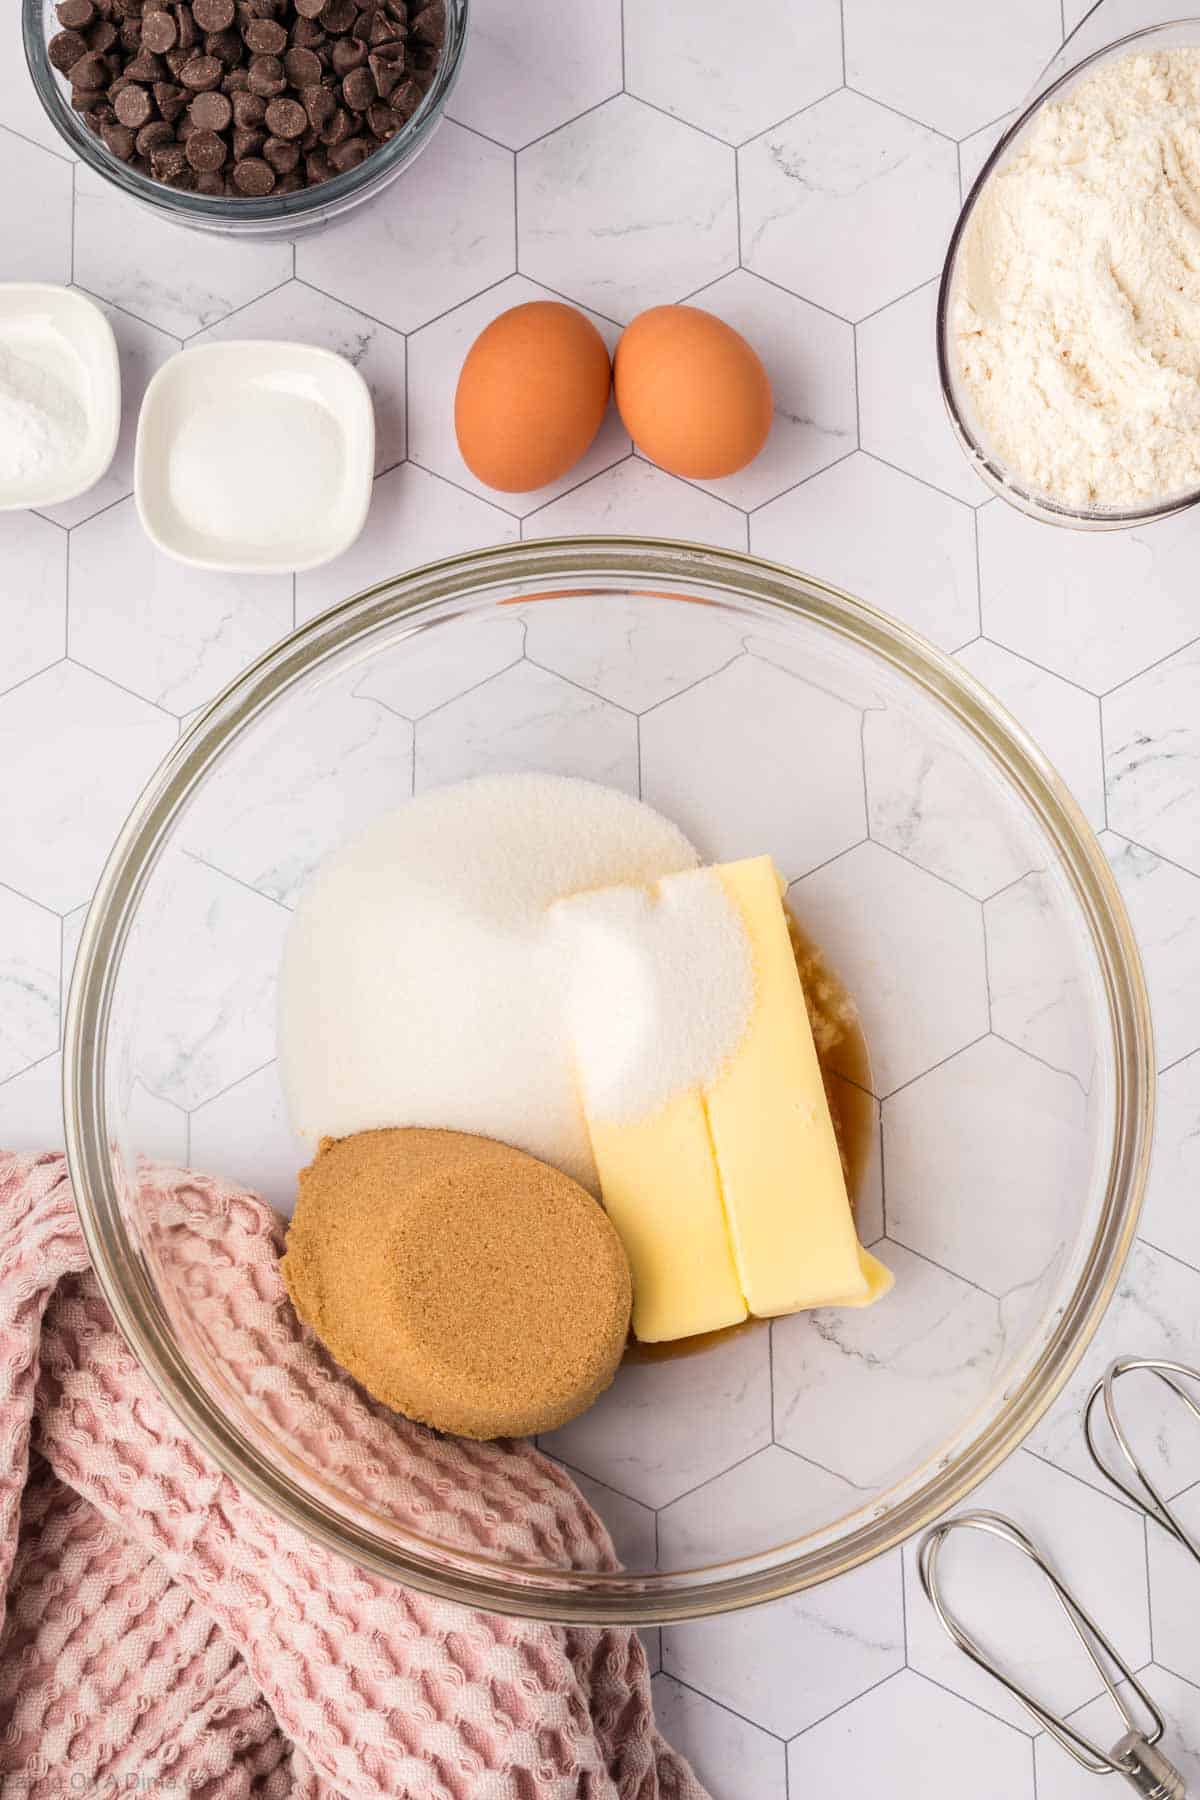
(1076, 320)
(422, 983)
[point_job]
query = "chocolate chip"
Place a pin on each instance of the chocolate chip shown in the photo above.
(302, 67)
(131, 34)
(307, 34)
(338, 128)
(147, 67)
(201, 72)
(247, 142)
(226, 46)
(119, 140)
(86, 100)
(89, 73)
(184, 128)
(383, 31)
(429, 26)
(249, 110)
(210, 112)
(309, 9)
(283, 154)
(266, 76)
(103, 37)
(289, 184)
(317, 167)
(159, 31)
(358, 89)
(387, 68)
(154, 136)
(236, 81)
(75, 15)
(176, 60)
(65, 49)
(319, 104)
(405, 99)
(206, 151)
(338, 15)
(347, 53)
(134, 107)
(384, 123)
(254, 177)
(169, 99)
(286, 118)
(265, 37)
(189, 31)
(213, 15)
(211, 182)
(168, 162)
(350, 154)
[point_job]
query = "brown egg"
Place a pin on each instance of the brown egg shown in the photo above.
(694, 396)
(531, 395)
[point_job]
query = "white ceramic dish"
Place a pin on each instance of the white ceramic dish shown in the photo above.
(68, 340)
(255, 457)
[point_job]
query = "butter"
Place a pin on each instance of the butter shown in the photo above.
(659, 1179)
(777, 1156)
(729, 1194)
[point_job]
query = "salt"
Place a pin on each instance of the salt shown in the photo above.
(422, 983)
(43, 424)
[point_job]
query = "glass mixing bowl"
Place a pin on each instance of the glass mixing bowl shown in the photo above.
(1093, 42)
(279, 215)
(1001, 1132)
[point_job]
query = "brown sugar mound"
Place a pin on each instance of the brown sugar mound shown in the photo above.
(462, 1282)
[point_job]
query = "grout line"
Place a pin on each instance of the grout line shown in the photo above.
(842, 30)
(833, 1713)
(755, 1724)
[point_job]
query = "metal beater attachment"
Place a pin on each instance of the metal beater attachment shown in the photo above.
(1138, 1487)
(1134, 1755)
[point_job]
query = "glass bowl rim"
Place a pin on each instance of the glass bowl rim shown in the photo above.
(221, 212)
(987, 463)
(570, 1596)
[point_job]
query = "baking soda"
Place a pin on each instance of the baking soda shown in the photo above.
(423, 983)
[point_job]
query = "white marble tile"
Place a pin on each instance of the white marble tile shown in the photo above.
(298, 313)
(1152, 758)
(1037, 979)
(768, 1501)
(424, 671)
(75, 753)
(790, 58)
(1164, 905)
(1171, 1218)
(716, 760)
(31, 1117)
(171, 633)
(953, 63)
(885, 538)
(636, 651)
(142, 350)
(286, 799)
(1060, 1778)
(928, 803)
(973, 151)
(905, 422)
(664, 1427)
(207, 1017)
(1096, 607)
(523, 74)
(984, 1156)
(35, 212)
(910, 950)
(630, 1524)
(1173, 1587)
(176, 279)
(527, 718)
(72, 930)
(1062, 719)
(809, 356)
(1154, 1312)
(733, 1758)
(637, 499)
(625, 209)
(20, 108)
(444, 231)
(1096, 1545)
(29, 956)
(847, 204)
(908, 1372)
(414, 518)
(436, 356)
(790, 1663)
(243, 1134)
(33, 595)
(925, 1738)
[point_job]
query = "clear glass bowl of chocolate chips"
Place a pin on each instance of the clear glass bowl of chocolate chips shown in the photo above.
(249, 117)
(977, 1004)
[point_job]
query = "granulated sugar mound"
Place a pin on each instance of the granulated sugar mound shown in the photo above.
(420, 983)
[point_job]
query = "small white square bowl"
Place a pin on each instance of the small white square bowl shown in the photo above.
(60, 336)
(255, 457)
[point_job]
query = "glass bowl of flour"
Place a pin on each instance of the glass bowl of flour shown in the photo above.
(1068, 329)
(997, 1096)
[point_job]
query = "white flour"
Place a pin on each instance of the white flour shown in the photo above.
(42, 420)
(1077, 319)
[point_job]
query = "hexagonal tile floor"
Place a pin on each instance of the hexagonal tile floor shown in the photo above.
(796, 171)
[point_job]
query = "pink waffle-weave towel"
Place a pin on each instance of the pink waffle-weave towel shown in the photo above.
(162, 1633)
